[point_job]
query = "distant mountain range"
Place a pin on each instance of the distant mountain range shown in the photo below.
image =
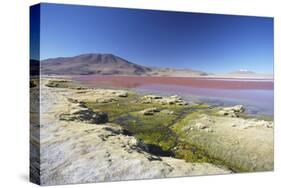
(88, 64)
(177, 72)
(243, 72)
(109, 64)
(106, 64)
(247, 74)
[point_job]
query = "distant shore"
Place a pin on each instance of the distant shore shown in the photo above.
(226, 77)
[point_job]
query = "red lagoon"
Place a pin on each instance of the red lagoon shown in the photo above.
(255, 94)
(196, 82)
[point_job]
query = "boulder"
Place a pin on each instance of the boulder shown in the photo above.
(227, 113)
(152, 97)
(236, 109)
(171, 100)
(175, 97)
(182, 103)
(99, 117)
(231, 111)
(122, 94)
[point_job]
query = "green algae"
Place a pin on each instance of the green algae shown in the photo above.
(157, 129)
(152, 129)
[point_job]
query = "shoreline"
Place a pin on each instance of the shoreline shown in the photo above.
(98, 100)
(252, 94)
(258, 78)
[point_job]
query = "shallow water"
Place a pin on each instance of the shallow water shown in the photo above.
(257, 101)
(255, 94)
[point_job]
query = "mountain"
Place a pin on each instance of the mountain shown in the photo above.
(92, 64)
(243, 72)
(107, 64)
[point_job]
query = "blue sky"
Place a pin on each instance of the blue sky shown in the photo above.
(207, 42)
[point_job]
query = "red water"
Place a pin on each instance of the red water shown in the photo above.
(214, 83)
(253, 93)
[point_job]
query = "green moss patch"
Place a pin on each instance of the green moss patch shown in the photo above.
(156, 130)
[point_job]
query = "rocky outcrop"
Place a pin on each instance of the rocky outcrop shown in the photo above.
(99, 95)
(233, 111)
(122, 94)
(57, 83)
(80, 113)
(170, 100)
(152, 111)
(237, 109)
(149, 111)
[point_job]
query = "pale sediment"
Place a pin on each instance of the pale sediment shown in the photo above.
(245, 145)
(77, 151)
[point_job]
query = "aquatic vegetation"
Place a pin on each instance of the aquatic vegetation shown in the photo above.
(152, 129)
(155, 130)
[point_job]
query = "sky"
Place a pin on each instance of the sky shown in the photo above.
(207, 42)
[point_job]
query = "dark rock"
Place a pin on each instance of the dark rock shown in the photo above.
(85, 115)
